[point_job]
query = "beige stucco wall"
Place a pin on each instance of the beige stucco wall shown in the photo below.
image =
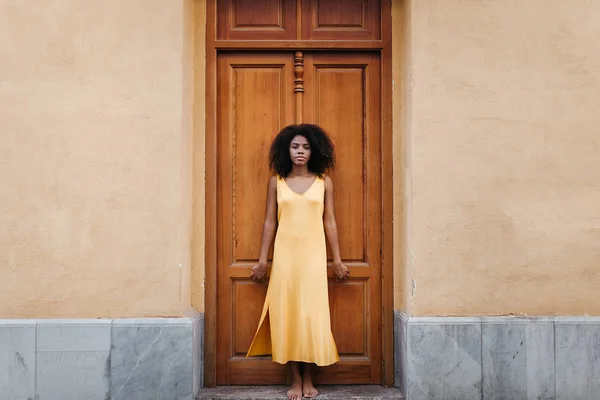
(504, 137)
(401, 157)
(496, 174)
(199, 160)
(95, 158)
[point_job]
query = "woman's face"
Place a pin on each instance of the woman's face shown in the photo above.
(300, 150)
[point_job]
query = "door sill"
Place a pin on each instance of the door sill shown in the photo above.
(357, 392)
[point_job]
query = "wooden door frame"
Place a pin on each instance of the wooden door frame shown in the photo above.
(384, 46)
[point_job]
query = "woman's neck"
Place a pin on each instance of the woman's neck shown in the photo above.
(298, 170)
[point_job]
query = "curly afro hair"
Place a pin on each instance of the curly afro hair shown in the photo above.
(322, 155)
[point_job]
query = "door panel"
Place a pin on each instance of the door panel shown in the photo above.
(247, 305)
(350, 320)
(256, 19)
(255, 100)
(335, 102)
(341, 20)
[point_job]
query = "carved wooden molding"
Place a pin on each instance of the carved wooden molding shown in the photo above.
(299, 84)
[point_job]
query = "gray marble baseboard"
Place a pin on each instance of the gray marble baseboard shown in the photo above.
(436, 358)
(104, 359)
(499, 358)
(577, 348)
(400, 351)
(17, 359)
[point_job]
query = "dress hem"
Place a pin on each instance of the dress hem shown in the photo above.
(325, 364)
(285, 361)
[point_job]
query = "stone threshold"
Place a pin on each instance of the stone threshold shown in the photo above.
(358, 392)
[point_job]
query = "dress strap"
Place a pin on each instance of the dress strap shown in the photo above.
(279, 184)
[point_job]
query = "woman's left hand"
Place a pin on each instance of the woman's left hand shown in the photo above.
(340, 271)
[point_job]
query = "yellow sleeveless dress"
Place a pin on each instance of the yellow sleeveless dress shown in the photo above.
(295, 322)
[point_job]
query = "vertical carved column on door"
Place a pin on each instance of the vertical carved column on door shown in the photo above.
(299, 84)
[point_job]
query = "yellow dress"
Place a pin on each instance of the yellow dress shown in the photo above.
(295, 322)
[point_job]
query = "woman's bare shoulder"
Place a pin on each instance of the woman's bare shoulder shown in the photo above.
(273, 181)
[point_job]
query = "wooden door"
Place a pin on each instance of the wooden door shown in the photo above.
(255, 99)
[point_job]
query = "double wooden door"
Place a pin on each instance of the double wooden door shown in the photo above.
(259, 93)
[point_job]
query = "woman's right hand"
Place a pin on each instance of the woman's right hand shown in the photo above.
(259, 271)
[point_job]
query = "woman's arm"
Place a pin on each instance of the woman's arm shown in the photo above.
(339, 270)
(259, 271)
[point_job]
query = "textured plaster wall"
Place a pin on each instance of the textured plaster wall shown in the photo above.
(496, 175)
(199, 111)
(505, 144)
(401, 157)
(95, 158)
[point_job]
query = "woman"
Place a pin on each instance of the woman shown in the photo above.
(295, 324)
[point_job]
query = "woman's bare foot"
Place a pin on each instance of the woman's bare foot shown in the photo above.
(295, 392)
(308, 389)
